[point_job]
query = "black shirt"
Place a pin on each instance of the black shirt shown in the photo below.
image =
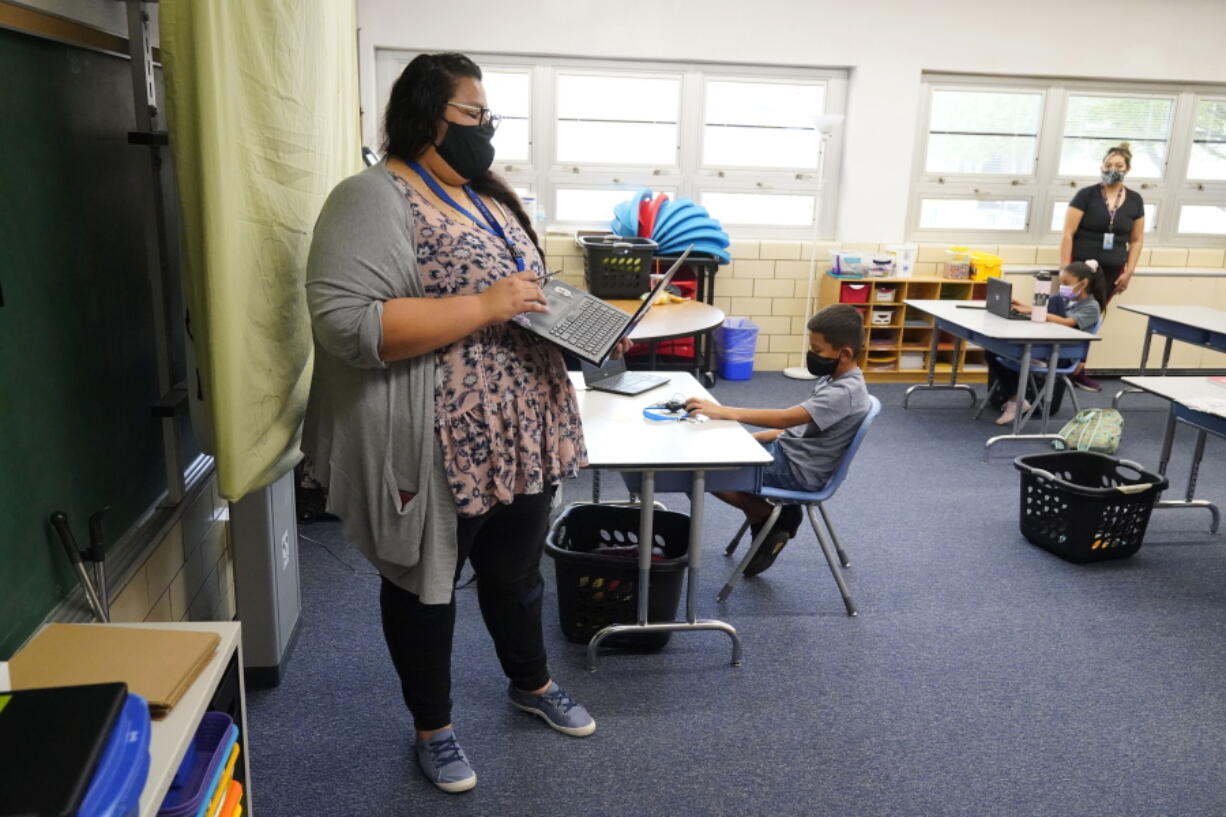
(1088, 240)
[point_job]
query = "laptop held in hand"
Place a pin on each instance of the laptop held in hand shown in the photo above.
(584, 325)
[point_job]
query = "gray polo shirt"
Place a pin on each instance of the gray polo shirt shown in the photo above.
(1086, 312)
(835, 408)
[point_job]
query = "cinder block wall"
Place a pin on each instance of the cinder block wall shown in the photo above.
(767, 280)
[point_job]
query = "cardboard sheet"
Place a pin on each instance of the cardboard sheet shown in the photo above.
(158, 665)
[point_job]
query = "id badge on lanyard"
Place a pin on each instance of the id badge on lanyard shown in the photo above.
(1108, 241)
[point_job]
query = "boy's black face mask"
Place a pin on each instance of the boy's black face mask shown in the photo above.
(469, 149)
(819, 366)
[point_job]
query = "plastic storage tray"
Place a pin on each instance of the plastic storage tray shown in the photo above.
(617, 266)
(1086, 507)
(596, 589)
(209, 749)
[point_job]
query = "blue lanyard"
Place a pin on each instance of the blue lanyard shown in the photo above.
(490, 225)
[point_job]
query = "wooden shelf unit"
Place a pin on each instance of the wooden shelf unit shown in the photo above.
(898, 351)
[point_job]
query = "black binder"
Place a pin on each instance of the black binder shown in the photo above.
(50, 743)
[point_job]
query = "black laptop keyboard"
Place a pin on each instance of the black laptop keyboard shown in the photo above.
(589, 327)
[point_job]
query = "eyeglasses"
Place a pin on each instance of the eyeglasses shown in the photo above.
(483, 115)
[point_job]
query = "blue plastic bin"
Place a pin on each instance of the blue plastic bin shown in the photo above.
(120, 777)
(735, 342)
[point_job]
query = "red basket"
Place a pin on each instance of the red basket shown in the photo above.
(853, 293)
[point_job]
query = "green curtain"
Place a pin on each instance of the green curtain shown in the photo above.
(262, 109)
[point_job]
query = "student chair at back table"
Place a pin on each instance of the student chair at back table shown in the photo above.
(1079, 353)
(809, 500)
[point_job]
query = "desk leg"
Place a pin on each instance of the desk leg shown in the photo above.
(1215, 517)
(697, 496)
(692, 622)
(953, 384)
(1149, 336)
(646, 532)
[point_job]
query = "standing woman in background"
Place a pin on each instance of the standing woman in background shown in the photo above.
(440, 426)
(1105, 222)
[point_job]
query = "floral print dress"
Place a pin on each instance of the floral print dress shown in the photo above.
(505, 412)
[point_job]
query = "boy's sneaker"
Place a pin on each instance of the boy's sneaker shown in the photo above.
(786, 526)
(444, 763)
(559, 710)
(790, 518)
(1084, 382)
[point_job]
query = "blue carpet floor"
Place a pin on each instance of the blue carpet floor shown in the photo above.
(982, 677)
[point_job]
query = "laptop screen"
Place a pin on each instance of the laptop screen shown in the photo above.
(594, 374)
(655, 292)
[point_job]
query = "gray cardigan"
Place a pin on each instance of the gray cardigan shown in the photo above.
(370, 424)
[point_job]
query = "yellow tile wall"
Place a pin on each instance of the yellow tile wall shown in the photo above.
(189, 575)
(768, 279)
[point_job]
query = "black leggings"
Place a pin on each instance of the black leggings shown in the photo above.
(504, 546)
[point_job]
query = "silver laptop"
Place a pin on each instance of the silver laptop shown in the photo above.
(612, 376)
(584, 325)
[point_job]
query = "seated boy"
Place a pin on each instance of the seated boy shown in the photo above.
(807, 440)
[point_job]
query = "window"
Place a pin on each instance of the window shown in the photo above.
(1000, 158)
(617, 120)
(983, 132)
(508, 94)
(1094, 123)
(1208, 159)
(758, 147)
(761, 124)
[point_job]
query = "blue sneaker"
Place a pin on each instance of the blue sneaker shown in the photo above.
(444, 764)
(559, 710)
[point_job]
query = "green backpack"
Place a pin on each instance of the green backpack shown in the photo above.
(1096, 429)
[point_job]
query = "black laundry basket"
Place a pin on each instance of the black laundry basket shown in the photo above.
(1086, 507)
(594, 548)
(617, 266)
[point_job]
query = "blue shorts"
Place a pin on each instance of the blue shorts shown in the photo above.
(779, 473)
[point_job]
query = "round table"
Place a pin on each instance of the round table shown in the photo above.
(678, 320)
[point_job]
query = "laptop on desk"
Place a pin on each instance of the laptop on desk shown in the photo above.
(612, 376)
(584, 325)
(1000, 300)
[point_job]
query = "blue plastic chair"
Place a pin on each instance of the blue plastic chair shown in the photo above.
(1077, 355)
(809, 500)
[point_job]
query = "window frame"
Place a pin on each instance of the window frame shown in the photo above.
(1046, 186)
(544, 175)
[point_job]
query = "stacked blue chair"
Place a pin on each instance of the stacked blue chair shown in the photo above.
(673, 225)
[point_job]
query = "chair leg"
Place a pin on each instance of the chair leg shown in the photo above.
(834, 537)
(987, 397)
(726, 590)
(736, 540)
(834, 565)
(1072, 393)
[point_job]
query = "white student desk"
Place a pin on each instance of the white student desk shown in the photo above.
(620, 438)
(1016, 340)
(1198, 325)
(1202, 405)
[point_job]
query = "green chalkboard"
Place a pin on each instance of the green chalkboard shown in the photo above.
(78, 366)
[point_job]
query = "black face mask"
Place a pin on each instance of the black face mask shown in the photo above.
(819, 366)
(468, 149)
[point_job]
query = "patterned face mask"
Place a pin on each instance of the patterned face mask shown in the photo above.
(1113, 176)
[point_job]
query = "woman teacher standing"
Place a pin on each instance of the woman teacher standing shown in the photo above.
(1106, 222)
(438, 424)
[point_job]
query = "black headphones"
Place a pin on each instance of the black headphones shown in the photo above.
(675, 411)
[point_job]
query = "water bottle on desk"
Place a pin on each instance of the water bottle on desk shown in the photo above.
(1042, 291)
